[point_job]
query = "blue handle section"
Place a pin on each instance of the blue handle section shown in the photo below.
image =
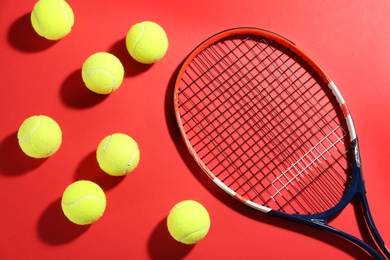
(356, 188)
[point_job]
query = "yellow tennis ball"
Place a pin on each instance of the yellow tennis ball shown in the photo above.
(39, 136)
(188, 222)
(83, 202)
(52, 19)
(102, 73)
(118, 154)
(147, 42)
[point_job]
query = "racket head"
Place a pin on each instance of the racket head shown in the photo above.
(267, 124)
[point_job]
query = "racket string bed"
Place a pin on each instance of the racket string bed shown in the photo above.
(298, 163)
(219, 69)
(270, 128)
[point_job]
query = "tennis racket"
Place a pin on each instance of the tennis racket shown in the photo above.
(270, 128)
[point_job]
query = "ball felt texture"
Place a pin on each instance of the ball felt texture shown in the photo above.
(52, 19)
(147, 42)
(188, 222)
(118, 154)
(83, 202)
(39, 136)
(102, 73)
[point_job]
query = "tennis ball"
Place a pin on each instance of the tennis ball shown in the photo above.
(188, 222)
(147, 42)
(39, 136)
(52, 19)
(83, 202)
(118, 154)
(102, 73)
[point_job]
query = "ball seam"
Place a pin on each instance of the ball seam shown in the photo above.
(39, 22)
(194, 232)
(65, 13)
(33, 131)
(131, 160)
(82, 199)
(104, 71)
(139, 38)
(55, 148)
(105, 147)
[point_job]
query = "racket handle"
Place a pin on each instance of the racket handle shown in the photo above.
(321, 224)
(373, 230)
(356, 241)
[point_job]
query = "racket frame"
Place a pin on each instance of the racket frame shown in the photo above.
(356, 184)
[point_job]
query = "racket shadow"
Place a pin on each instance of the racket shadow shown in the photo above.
(223, 197)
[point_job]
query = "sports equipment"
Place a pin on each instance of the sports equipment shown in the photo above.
(52, 19)
(188, 222)
(102, 73)
(147, 42)
(270, 128)
(83, 202)
(39, 136)
(118, 154)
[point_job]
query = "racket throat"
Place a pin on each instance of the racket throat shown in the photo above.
(321, 222)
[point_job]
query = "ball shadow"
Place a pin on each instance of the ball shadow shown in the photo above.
(131, 66)
(89, 169)
(55, 229)
(75, 94)
(162, 246)
(22, 36)
(13, 161)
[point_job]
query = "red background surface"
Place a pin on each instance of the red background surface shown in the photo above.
(349, 40)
